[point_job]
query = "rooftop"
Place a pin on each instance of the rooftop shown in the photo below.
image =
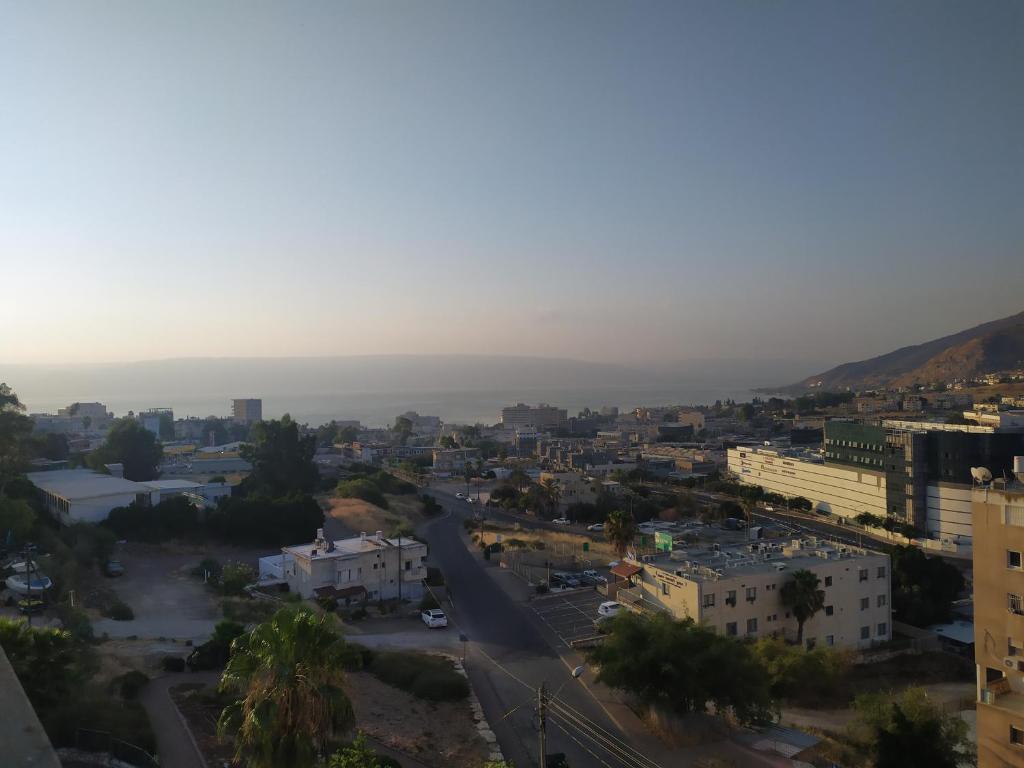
(347, 547)
(74, 484)
(756, 557)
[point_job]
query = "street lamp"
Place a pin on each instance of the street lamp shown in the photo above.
(463, 638)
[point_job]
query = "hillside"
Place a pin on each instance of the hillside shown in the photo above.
(993, 346)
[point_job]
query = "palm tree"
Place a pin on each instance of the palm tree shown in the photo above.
(289, 672)
(552, 493)
(802, 596)
(519, 478)
(620, 528)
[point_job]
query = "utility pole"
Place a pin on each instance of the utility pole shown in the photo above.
(399, 568)
(542, 727)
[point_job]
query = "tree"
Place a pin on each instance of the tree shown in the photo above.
(282, 460)
(166, 426)
(402, 429)
(347, 434)
(802, 596)
(519, 478)
(909, 731)
(682, 666)
(44, 660)
(923, 588)
(130, 444)
(15, 431)
(289, 672)
(216, 427)
(447, 442)
(355, 755)
(805, 677)
(16, 520)
(552, 493)
(619, 529)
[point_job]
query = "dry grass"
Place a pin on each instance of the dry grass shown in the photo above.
(358, 515)
(554, 541)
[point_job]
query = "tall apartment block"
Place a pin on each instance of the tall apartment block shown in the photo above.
(247, 411)
(998, 509)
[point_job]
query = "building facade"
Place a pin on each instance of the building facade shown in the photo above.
(247, 410)
(999, 623)
(737, 590)
(541, 416)
(358, 569)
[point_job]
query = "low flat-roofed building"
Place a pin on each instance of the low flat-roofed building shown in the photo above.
(81, 495)
(737, 590)
(357, 569)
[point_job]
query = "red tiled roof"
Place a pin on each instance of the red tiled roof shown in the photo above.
(626, 570)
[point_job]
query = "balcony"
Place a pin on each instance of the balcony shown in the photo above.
(999, 694)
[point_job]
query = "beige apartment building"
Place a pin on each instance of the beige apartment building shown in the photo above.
(573, 487)
(999, 622)
(737, 590)
(247, 410)
(361, 568)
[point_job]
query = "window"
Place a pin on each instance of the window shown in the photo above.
(830, 640)
(730, 629)
(664, 591)
(375, 566)
(865, 603)
(730, 597)
(882, 601)
(1012, 559)
(881, 572)
(709, 600)
(865, 633)
(751, 594)
(828, 581)
(881, 629)
(751, 626)
(1014, 604)
(1016, 735)
(829, 610)
(408, 565)
(863, 574)
(1014, 515)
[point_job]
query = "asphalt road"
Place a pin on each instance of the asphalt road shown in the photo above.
(503, 636)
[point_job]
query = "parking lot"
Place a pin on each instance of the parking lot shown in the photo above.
(569, 615)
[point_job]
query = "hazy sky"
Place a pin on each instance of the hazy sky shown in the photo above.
(599, 180)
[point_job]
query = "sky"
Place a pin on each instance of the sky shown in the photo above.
(606, 181)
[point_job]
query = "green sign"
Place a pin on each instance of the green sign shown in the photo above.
(586, 546)
(663, 541)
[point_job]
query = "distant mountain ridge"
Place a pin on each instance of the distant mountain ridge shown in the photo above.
(994, 346)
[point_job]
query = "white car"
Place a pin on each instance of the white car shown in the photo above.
(434, 618)
(596, 527)
(561, 521)
(609, 608)
(460, 495)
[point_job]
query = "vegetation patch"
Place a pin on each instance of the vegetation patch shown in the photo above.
(425, 677)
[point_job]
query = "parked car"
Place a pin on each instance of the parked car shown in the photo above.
(434, 618)
(460, 495)
(561, 521)
(565, 579)
(113, 568)
(596, 527)
(609, 608)
(590, 576)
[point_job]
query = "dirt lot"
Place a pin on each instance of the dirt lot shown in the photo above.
(352, 516)
(441, 735)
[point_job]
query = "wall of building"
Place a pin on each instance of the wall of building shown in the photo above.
(949, 511)
(840, 490)
(998, 630)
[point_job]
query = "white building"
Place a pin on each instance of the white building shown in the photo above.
(81, 495)
(362, 568)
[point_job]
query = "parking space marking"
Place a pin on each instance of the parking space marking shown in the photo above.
(569, 616)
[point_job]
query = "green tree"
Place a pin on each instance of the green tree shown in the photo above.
(15, 434)
(16, 519)
(804, 677)
(923, 588)
(909, 731)
(803, 598)
(519, 478)
(44, 660)
(402, 429)
(619, 529)
(347, 435)
(552, 494)
(282, 460)
(289, 672)
(216, 427)
(362, 488)
(682, 667)
(355, 755)
(130, 444)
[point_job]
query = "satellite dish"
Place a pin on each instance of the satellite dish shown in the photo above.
(981, 474)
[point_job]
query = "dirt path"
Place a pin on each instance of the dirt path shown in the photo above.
(173, 740)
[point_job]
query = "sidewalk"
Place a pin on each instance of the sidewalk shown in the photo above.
(175, 745)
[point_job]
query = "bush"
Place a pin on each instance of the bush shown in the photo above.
(428, 602)
(235, 577)
(426, 677)
(129, 685)
(248, 610)
(430, 506)
(76, 622)
(359, 613)
(119, 611)
(434, 577)
(363, 489)
(329, 604)
(208, 566)
(542, 589)
(172, 664)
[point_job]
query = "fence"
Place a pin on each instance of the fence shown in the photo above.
(102, 741)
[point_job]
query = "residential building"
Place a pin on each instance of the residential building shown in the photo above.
(1003, 421)
(247, 410)
(574, 488)
(361, 568)
(453, 461)
(998, 510)
(152, 418)
(737, 590)
(543, 416)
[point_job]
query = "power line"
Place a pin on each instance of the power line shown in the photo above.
(615, 747)
(554, 719)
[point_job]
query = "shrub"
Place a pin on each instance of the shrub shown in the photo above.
(129, 685)
(359, 613)
(248, 610)
(542, 589)
(76, 622)
(119, 611)
(426, 677)
(428, 602)
(208, 566)
(172, 664)
(363, 489)
(235, 577)
(329, 604)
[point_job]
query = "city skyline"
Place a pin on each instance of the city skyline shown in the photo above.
(590, 182)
